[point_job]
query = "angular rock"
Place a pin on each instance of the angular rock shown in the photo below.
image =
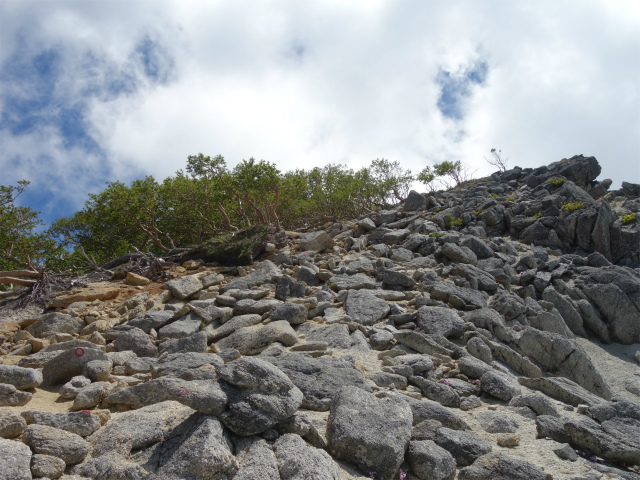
(319, 379)
(51, 323)
(21, 378)
(193, 343)
(299, 461)
(442, 321)
(259, 397)
(500, 385)
(466, 448)
(536, 402)
(293, 313)
(414, 202)
(183, 327)
(11, 424)
(496, 422)
(69, 447)
(135, 340)
(351, 282)
(47, 466)
(184, 287)
(365, 308)
(444, 290)
(69, 364)
(369, 432)
(253, 340)
(430, 462)
(153, 320)
(80, 423)
(184, 365)
(562, 389)
(317, 241)
(265, 272)
(498, 466)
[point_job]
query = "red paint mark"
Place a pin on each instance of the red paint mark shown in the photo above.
(182, 392)
(79, 352)
(86, 412)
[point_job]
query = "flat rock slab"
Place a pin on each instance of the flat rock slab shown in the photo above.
(349, 282)
(265, 272)
(364, 308)
(562, 389)
(52, 323)
(253, 340)
(183, 327)
(370, 432)
(80, 423)
(183, 365)
(498, 466)
(443, 321)
(444, 290)
(465, 447)
(184, 287)
(319, 379)
(85, 296)
(154, 320)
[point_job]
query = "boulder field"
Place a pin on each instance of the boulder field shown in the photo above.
(491, 331)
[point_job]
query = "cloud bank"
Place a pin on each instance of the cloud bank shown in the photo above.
(102, 91)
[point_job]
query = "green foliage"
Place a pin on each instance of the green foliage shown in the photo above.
(456, 171)
(511, 198)
(453, 221)
(437, 209)
(571, 206)
(21, 245)
(437, 235)
(477, 212)
(556, 182)
(627, 219)
(538, 215)
(230, 248)
(494, 195)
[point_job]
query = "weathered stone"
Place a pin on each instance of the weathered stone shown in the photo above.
(498, 466)
(11, 424)
(80, 423)
(51, 323)
(21, 378)
(47, 466)
(184, 287)
(153, 320)
(562, 389)
(444, 290)
(538, 403)
(299, 461)
(259, 397)
(414, 202)
(466, 448)
(193, 343)
(135, 340)
(496, 422)
(84, 296)
(364, 308)
(351, 282)
(317, 241)
(15, 459)
(372, 433)
(430, 462)
(69, 364)
(293, 313)
(184, 365)
(253, 340)
(69, 447)
(265, 272)
(183, 327)
(319, 379)
(443, 321)
(500, 385)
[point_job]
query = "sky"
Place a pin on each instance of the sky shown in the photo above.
(99, 91)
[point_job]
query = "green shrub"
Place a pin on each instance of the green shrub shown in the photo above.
(538, 215)
(477, 212)
(571, 206)
(511, 198)
(437, 235)
(494, 195)
(453, 221)
(556, 181)
(437, 209)
(627, 219)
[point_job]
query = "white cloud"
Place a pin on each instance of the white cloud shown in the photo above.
(308, 83)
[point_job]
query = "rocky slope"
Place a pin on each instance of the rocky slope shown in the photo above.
(487, 332)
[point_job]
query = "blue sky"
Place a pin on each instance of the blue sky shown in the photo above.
(92, 92)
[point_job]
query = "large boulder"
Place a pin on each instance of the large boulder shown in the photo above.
(259, 394)
(498, 466)
(442, 321)
(364, 308)
(184, 287)
(317, 241)
(51, 323)
(430, 462)
(465, 447)
(253, 340)
(21, 378)
(68, 364)
(299, 461)
(265, 272)
(500, 385)
(369, 432)
(15, 460)
(319, 379)
(80, 423)
(135, 340)
(47, 440)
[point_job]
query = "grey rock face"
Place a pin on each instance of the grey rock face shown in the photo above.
(11, 424)
(97, 370)
(155, 320)
(69, 364)
(287, 287)
(443, 321)
(498, 466)
(466, 448)
(299, 461)
(414, 202)
(69, 447)
(457, 254)
(430, 462)
(194, 343)
(438, 392)
(136, 341)
(184, 365)
(90, 395)
(70, 389)
(509, 305)
(139, 428)
(80, 423)
(476, 347)
(557, 354)
(351, 282)
(184, 287)
(206, 396)
(496, 422)
(372, 433)
(335, 335)
(477, 246)
(257, 462)
(260, 396)
(615, 440)
(253, 340)
(265, 272)
(619, 311)
(562, 389)
(15, 459)
(47, 466)
(500, 385)
(21, 378)
(203, 450)
(536, 402)
(571, 317)
(429, 410)
(293, 313)
(319, 379)
(234, 324)
(445, 290)
(51, 323)
(388, 380)
(391, 278)
(183, 327)
(317, 241)
(365, 308)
